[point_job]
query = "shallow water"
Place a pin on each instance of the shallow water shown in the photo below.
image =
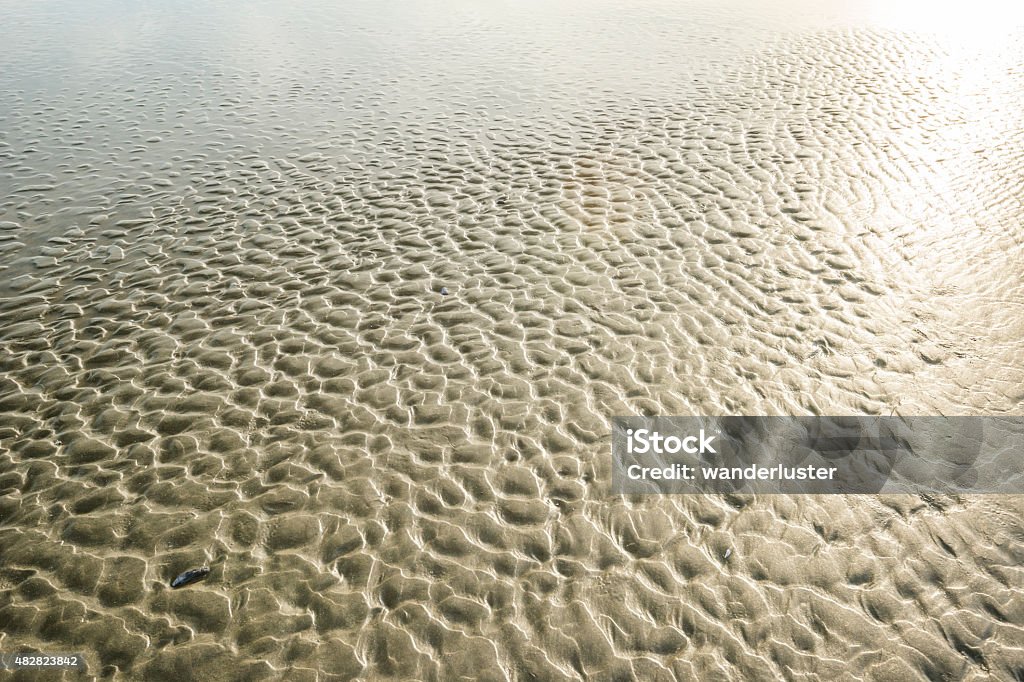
(224, 229)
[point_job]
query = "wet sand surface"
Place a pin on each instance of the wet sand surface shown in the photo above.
(224, 230)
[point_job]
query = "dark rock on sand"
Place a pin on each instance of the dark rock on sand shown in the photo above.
(190, 576)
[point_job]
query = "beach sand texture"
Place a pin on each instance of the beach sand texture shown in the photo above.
(224, 231)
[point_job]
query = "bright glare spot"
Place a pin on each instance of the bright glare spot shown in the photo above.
(968, 20)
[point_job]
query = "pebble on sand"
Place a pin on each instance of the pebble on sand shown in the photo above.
(193, 575)
(444, 291)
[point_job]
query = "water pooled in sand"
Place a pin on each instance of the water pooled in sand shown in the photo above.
(224, 230)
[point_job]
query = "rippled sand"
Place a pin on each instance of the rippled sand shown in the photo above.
(224, 229)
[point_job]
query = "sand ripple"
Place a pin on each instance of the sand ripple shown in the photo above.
(224, 232)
